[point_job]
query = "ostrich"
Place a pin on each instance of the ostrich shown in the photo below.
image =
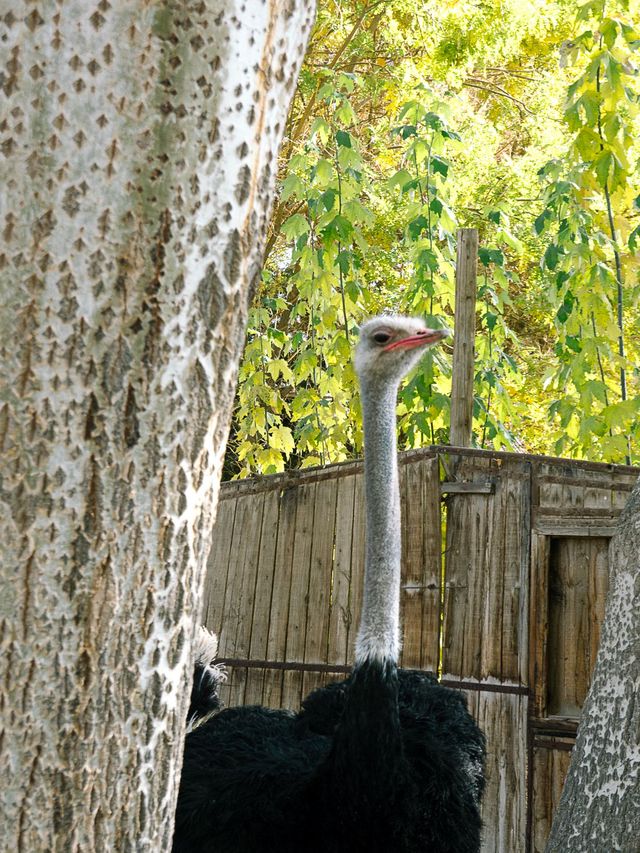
(386, 761)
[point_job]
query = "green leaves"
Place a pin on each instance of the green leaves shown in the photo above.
(373, 186)
(587, 204)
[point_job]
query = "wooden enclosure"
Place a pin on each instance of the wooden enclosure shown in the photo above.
(503, 593)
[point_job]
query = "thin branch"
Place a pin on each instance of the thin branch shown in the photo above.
(493, 89)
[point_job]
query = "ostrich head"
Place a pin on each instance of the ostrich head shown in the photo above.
(390, 346)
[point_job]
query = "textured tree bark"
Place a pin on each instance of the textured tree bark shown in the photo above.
(139, 143)
(599, 811)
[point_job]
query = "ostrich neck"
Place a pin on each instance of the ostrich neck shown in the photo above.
(378, 634)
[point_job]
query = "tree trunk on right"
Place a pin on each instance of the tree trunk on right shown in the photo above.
(599, 811)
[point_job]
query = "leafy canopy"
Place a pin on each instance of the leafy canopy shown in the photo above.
(411, 120)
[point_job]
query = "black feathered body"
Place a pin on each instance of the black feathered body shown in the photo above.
(386, 760)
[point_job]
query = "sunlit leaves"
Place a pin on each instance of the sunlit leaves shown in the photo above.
(379, 172)
(587, 208)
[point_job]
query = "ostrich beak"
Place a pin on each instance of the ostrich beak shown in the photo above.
(422, 338)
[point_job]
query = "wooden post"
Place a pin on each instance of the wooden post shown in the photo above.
(464, 333)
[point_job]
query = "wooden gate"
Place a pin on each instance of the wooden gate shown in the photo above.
(510, 615)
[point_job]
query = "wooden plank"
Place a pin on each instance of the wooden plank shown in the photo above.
(463, 346)
(233, 689)
(549, 771)
(218, 567)
(432, 567)
(420, 595)
(235, 633)
(299, 593)
(450, 487)
(279, 614)
(577, 527)
(341, 617)
(538, 625)
(316, 643)
(261, 616)
(235, 626)
(291, 690)
(503, 719)
(466, 541)
(357, 566)
(487, 573)
(411, 560)
(578, 583)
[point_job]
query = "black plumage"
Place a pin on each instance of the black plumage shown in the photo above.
(257, 780)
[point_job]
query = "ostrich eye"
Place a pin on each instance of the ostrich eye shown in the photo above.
(382, 337)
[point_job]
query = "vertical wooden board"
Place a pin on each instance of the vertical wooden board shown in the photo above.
(299, 593)
(238, 603)
(224, 690)
(432, 568)
(262, 598)
(232, 690)
(272, 688)
(292, 690)
(512, 611)
(311, 681)
(254, 686)
(340, 615)
(578, 574)
(487, 559)
(357, 566)
(411, 498)
(538, 621)
(468, 537)
(321, 571)
(264, 589)
(503, 719)
(279, 614)
(550, 768)
(218, 566)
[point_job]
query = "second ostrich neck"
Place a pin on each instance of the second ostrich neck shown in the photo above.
(379, 630)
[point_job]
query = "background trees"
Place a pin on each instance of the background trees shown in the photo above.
(410, 120)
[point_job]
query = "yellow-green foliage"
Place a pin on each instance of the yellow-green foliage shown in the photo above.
(411, 119)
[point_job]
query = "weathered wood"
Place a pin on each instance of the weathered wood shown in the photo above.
(432, 516)
(283, 569)
(578, 583)
(357, 566)
(264, 592)
(463, 345)
(218, 565)
(451, 488)
(421, 564)
(487, 573)
(340, 618)
(235, 631)
(538, 624)
(503, 719)
(299, 592)
(318, 599)
(549, 771)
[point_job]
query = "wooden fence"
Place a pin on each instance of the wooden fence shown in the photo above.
(503, 593)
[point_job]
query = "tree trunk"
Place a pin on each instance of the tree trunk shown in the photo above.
(139, 145)
(599, 811)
